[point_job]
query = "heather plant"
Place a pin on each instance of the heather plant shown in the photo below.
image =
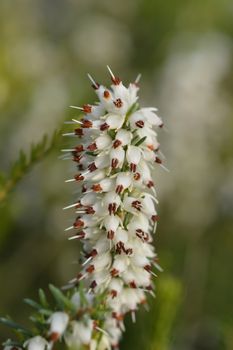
(115, 148)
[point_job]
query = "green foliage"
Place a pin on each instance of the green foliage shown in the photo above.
(170, 299)
(24, 163)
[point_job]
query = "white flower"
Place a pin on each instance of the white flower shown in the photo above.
(80, 333)
(58, 323)
(116, 207)
(36, 343)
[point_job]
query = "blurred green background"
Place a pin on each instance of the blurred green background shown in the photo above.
(184, 51)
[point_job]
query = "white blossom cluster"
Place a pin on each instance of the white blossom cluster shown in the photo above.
(116, 217)
(116, 214)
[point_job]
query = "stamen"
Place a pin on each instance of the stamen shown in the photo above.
(95, 85)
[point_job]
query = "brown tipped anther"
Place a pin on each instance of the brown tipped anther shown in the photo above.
(86, 124)
(112, 207)
(87, 108)
(154, 218)
(79, 148)
(118, 317)
(137, 205)
(93, 253)
(78, 132)
(142, 235)
(110, 234)
(92, 147)
(77, 158)
(90, 268)
(148, 268)
(118, 103)
(95, 86)
(150, 184)
(137, 176)
(133, 167)
(106, 94)
(151, 147)
(54, 336)
(161, 125)
(116, 81)
(119, 189)
(114, 163)
(79, 177)
(92, 167)
(113, 293)
(78, 223)
(116, 143)
(140, 123)
(81, 234)
(104, 126)
(96, 188)
(114, 272)
(158, 160)
(93, 284)
(133, 284)
(90, 210)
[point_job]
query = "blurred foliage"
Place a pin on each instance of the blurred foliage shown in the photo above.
(184, 51)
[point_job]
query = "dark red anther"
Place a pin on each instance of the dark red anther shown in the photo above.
(137, 205)
(92, 147)
(142, 235)
(112, 207)
(137, 176)
(79, 148)
(110, 234)
(92, 167)
(54, 336)
(158, 160)
(116, 81)
(118, 317)
(129, 251)
(95, 86)
(120, 247)
(114, 272)
(104, 126)
(77, 158)
(86, 123)
(133, 167)
(133, 284)
(93, 284)
(119, 189)
(113, 293)
(116, 143)
(80, 167)
(81, 234)
(96, 188)
(161, 125)
(90, 210)
(79, 132)
(106, 94)
(90, 268)
(148, 268)
(114, 163)
(87, 108)
(118, 103)
(140, 123)
(154, 218)
(79, 177)
(78, 223)
(150, 184)
(93, 253)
